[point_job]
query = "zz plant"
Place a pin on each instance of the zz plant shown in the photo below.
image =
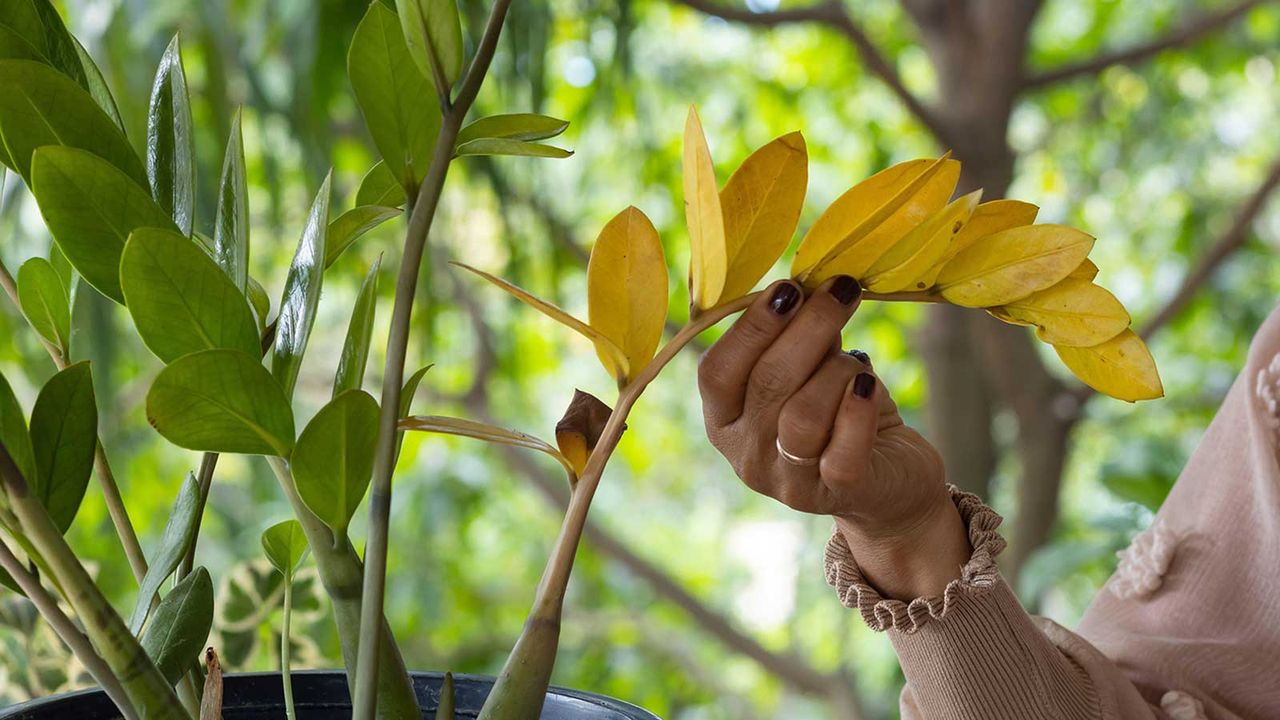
(126, 225)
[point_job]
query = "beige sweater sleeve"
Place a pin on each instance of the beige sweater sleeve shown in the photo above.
(1188, 627)
(973, 652)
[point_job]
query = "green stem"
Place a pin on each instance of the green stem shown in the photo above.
(341, 572)
(143, 683)
(68, 632)
(285, 648)
(521, 686)
(110, 490)
(372, 621)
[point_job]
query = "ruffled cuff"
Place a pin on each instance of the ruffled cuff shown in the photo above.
(977, 576)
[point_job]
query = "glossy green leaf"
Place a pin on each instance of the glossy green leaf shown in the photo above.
(231, 226)
(44, 301)
(406, 401)
(352, 225)
(96, 84)
(380, 187)
(15, 47)
(221, 401)
(64, 436)
(394, 96)
(355, 351)
(180, 300)
(175, 637)
(41, 106)
(433, 33)
(515, 126)
(503, 146)
(333, 460)
(171, 165)
(301, 294)
(179, 531)
(59, 46)
(22, 18)
(91, 208)
(285, 546)
(66, 273)
(13, 432)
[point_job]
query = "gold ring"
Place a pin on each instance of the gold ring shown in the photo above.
(793, 458)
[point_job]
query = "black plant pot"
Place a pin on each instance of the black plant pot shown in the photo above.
(323, 695)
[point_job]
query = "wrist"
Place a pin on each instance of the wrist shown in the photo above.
(916, 559)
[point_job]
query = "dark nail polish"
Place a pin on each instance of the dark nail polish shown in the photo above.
(864, 385)
(846, 289)
(784, 298)
(861, 356)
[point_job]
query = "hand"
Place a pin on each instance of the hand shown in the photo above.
(778, 379)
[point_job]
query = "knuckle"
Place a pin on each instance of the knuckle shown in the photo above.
(712, 372)
(802, 422)
(771, 381)
(754, 328)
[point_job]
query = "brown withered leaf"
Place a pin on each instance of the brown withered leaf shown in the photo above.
(211, 700)
(579, 429)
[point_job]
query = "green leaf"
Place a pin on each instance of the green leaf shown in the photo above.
(180, 300)
(66, 273)
(406, 401)
(433, 32)
(333, 461)
(351, 225)
(355, 351)
(41, 106)
(393, 95)
(515, 126)
(231, 227)
(171, 164)
(91, 208)
(286, 546)
(221, 401)
(97, 85)
(64, 435)
(260, 301)
(176, 635)
(179, 531)
(44, 302)
(13, 432)
(301, 294)
(59, 46)
(21, 17)
(380, 187)
(445, 709)
(502, 146)
(14, 47)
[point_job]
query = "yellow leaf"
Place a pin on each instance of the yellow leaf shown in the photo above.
(905, 265)
(1012, 264)
(987, 219)
(627, 291)
(555, 313)
(1074, 313)
(871, 216)
(1000, 314)
(708, 260)
(1085, 271)
(761, 204)
(1121, 367)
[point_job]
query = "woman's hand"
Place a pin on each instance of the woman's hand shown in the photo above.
(812, 426)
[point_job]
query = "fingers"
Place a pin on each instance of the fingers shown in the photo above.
(798, 351)
(848, 453)
(725, 368)
(806, 418)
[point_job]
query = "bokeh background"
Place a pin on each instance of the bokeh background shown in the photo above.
(1152, 124)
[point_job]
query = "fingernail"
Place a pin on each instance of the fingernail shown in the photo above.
(858, 354)
(784, 298)
(864, 385)
(846, 289)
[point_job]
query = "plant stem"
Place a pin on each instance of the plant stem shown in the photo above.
(517, 694)
(341, 572)
(372, 621)
(143, 683)
(285, 648)
(110, 490)
(68, 632)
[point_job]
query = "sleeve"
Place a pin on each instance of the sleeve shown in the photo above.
(973, 652)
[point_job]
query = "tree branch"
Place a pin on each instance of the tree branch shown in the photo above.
(1191, 30)
(1217, 253)
(832, 14)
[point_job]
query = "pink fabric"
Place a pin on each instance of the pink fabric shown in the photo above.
(1188, 628)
